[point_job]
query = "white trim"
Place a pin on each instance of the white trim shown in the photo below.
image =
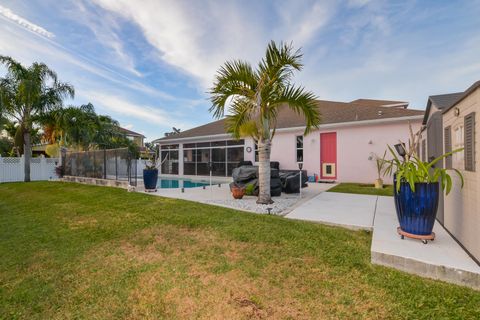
(354, 123)
(322, 126)
(393, 105)
(224, 136)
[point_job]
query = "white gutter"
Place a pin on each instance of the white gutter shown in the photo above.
(196, 138)
(355, 123)
(322, 126)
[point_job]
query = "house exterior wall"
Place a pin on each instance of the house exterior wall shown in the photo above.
(354, 150)
(462, 210)
(356, 146)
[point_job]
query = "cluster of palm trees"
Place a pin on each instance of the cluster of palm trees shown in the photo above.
(31, 109)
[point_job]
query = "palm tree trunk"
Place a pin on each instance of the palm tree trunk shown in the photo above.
(27, 153)
(264, 172)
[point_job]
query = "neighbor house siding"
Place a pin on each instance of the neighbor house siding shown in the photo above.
(462, 212)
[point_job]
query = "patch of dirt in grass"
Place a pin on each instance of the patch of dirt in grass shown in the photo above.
(79, 222)
(171, 272)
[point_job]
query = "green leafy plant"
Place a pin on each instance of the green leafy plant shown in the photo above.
(411, 169)
(381, 163)
(249, 189)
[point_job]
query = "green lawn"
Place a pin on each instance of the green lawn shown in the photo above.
(360, 188)
(74, 251)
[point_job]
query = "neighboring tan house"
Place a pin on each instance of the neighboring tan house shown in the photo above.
(431, 145)
(137, 138)
(461, 129)
(342, 149)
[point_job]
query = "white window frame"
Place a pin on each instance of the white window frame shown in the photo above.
(297, 148)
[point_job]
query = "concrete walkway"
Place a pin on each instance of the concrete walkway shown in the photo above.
(441, 259)
(353, 211)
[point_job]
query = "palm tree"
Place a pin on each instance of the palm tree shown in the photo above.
(26, 93)
(255, 97)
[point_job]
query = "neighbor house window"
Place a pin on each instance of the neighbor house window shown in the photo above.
(299, 140)
(458, 142)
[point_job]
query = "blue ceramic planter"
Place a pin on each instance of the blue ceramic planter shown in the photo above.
(150, 178)
(416, 211)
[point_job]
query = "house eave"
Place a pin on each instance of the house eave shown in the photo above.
(301, 128)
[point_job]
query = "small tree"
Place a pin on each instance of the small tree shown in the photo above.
(381, 163)
(26, 93)
(256, 96)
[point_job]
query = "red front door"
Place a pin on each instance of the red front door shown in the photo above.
(328, 156)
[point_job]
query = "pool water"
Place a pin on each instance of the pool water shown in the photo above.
(168, 183)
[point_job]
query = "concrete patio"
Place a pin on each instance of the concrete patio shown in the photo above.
(353, 211)
(441, 259)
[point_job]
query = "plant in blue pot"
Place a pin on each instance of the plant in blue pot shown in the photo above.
(150, 173)
(417, 187)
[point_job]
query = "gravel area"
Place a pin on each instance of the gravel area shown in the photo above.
(250, 204)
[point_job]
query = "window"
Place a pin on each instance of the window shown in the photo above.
(299, 140)
(458, 142)
(256, 152)
(224, 156)
(169, 159)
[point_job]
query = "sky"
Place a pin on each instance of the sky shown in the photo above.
(149, 64)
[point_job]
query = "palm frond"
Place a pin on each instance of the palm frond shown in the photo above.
(302, 102)
(235, 78)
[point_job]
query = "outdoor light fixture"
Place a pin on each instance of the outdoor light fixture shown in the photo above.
(400, 148)
(456, 112)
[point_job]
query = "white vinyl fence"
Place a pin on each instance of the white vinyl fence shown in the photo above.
(41, 168)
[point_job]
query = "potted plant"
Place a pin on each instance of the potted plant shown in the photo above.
(380, 162)
(237, 191)
(416, 189)
(150, 173)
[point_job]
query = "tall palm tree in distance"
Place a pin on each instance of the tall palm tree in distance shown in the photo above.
(253, 97)
(26, 93)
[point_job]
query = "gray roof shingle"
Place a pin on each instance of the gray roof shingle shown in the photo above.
(330, 111)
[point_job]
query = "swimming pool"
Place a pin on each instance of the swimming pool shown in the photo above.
(170, 183)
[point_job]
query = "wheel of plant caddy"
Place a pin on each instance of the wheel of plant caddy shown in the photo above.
(423, 238)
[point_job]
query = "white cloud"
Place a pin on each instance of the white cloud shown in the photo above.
(106, 30)
(120, 105)
(198, 36)
(30, 26)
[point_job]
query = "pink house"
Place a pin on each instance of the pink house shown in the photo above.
(343, 149)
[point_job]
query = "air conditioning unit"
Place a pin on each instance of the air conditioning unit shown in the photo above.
(328, 170)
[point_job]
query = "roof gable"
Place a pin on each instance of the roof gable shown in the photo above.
(441, 102)
(465, 94)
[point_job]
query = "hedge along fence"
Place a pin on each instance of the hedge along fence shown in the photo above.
(41, 168)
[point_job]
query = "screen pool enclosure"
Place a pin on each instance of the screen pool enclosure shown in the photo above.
(112, 164)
